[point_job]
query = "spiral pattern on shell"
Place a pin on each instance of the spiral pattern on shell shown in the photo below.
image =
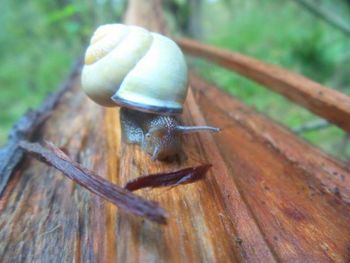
(132, 67)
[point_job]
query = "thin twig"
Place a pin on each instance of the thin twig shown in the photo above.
(312, 126)
(121, 197)
(326, 16)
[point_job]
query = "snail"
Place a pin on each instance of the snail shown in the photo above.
(145, 74)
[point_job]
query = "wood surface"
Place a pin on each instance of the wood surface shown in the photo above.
(323, 101)
(298, 196)
(269, 196)
(25, 128)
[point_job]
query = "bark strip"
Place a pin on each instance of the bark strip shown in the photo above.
(325, 102)
(183, 176)
(122, 198)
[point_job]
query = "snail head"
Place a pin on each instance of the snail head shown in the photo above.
(164, 142)
(161, 143)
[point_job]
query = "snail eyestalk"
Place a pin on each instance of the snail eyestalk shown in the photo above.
(192, 129)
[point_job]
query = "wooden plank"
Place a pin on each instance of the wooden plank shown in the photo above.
(286, 183)
(323, 101)
(45, 217)
(332, 174)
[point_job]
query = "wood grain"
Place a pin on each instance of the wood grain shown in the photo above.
(332, 174)
(267, 198)
(45, 217)
(119, 196)
(26, 128)
(323, 101)
(286, 183)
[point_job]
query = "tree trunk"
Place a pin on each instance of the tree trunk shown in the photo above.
(194, 28)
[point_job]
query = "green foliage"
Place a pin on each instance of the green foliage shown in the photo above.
(284, 34)
(39, 41)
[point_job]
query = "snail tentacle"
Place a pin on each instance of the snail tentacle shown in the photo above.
(191, 129)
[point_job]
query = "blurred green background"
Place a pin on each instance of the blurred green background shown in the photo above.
(40, 40)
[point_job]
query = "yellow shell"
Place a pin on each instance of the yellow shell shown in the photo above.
(132, 67)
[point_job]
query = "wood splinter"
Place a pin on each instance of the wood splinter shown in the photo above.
(184, 176)
(121, 197)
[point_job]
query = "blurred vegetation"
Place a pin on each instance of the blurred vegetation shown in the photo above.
(40, 40)
(281, 33)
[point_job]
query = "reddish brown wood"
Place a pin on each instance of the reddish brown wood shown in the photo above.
(323, 101)
(287, 184)
(333, 175)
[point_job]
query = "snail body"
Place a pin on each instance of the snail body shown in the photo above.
(158, 135)
(145, 74)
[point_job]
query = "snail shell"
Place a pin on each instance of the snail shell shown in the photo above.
(131, 67)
